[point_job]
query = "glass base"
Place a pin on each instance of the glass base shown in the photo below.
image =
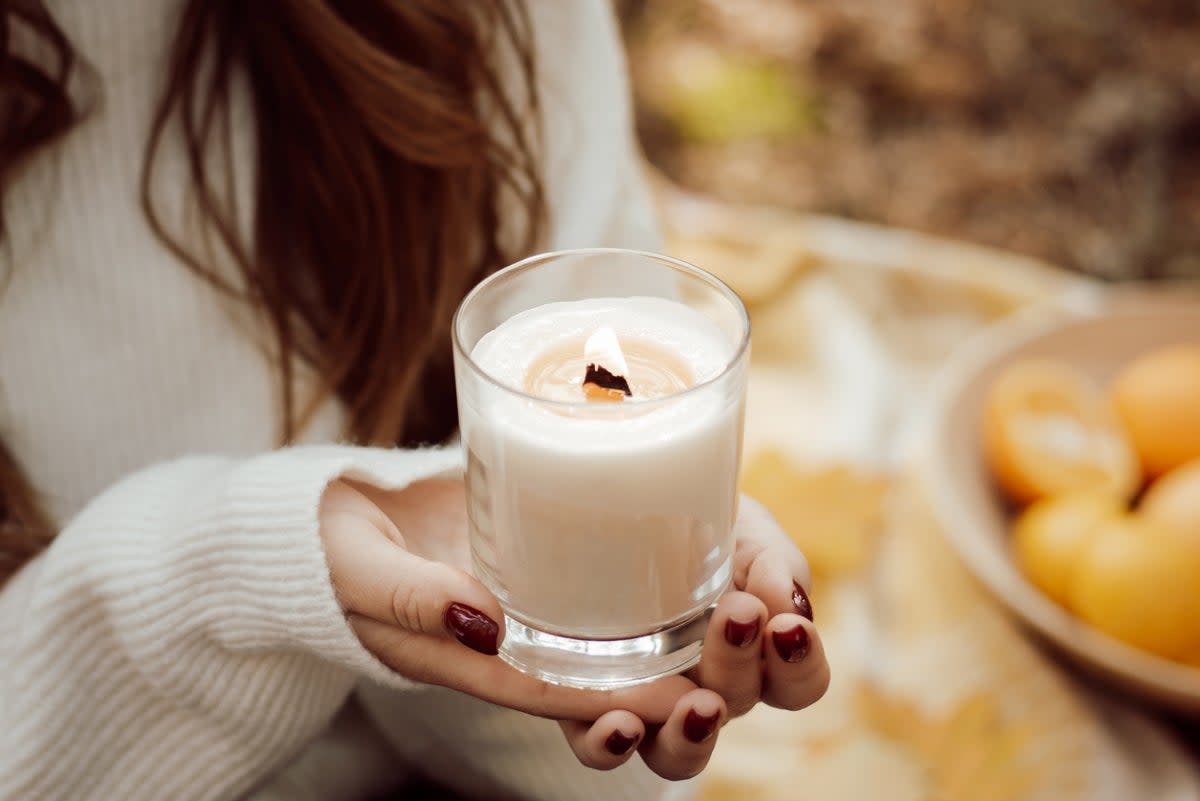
(604, 664)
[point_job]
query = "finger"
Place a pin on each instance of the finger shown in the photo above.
(607, 743)
(378, 579)
(768, 564)
(434, 660)
(682, 747)
(797, 672)
(731, 662)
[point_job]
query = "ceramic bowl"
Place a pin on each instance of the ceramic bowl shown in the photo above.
(969, 508)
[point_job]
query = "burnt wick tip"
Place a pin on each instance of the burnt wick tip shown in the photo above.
(600, 377)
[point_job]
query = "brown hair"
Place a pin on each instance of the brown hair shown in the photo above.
(388, 137)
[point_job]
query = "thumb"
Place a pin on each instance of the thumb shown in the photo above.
(378, 579)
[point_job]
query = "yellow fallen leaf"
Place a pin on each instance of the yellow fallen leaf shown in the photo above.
(832, 513)
(970, 752)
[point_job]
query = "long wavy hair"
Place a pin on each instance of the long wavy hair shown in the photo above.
(395, 166)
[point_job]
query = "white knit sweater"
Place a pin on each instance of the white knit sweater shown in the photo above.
(180, 639)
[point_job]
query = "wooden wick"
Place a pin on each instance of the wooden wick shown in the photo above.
(601, 385)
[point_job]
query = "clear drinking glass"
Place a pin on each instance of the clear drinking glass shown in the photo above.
(605, 529)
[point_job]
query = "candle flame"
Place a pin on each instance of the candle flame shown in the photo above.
(603, 349)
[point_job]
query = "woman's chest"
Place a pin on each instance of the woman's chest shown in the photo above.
(113, 354)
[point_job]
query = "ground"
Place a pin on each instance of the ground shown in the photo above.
(1067, 130)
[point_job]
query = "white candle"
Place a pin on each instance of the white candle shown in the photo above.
(611, 519)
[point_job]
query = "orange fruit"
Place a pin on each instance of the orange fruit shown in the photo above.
(1048, 430)
(1139, 582)
(1174, 500)
(1157, 397)
(1050, 536)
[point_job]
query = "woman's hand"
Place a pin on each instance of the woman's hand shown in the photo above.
(400, 561)
(761, 643)
(760, 646)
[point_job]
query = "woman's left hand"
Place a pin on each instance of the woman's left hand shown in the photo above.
(760, 647)
(781, 663)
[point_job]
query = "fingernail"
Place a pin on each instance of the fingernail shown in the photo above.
(792, 644)
(619, 743)
(473, 628)
(800, 601)
(739, 635)
(698, 728)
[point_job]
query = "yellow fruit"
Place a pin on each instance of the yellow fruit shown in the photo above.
(1139, 582)
(1174, 500)
(1048, 430)
(1192, 660)
(1050, 536)
(1158, 399)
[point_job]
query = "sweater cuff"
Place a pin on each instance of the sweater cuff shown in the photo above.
(272, 503)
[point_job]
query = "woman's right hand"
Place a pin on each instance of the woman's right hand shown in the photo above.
(400, 567)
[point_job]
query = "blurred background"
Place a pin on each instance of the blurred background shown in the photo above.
(1068, 130)
(903, 192)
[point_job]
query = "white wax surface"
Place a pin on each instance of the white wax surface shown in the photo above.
(507, 352)
(603, 519)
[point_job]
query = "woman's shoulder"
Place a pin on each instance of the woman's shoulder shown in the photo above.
(594, 185)
(575, 38)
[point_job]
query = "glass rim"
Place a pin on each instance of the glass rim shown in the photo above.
(529, 262)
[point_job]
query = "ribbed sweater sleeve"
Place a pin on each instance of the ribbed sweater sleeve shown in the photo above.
(181, 637)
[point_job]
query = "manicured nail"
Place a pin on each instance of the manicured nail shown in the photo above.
(619, 743)
(800, 601)
(697, 727)
(792, 644)
(473, 628)
(739, 635)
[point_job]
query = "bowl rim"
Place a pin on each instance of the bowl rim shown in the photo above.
(1164, 678)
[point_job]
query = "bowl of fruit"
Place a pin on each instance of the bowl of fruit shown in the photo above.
(1064, 467)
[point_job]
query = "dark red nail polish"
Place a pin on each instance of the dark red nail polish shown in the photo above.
(697, 727)
(739, 635)
(619, 743)
(473, 628)
(800, 601)
(792, 644)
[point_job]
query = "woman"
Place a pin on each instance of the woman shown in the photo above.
(230, 226)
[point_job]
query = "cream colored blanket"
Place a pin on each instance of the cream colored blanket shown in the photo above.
(937, 695)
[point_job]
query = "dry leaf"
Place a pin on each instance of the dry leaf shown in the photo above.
(832, 513)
